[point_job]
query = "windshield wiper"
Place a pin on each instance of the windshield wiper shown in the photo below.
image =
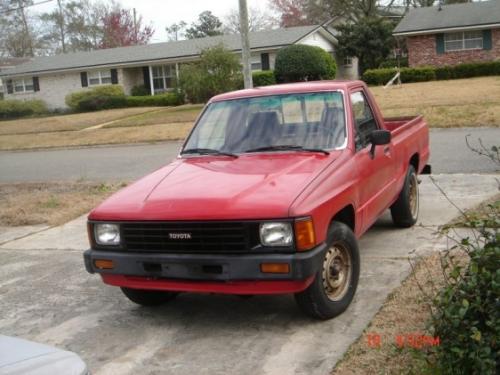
(287, 147)
(207, 151)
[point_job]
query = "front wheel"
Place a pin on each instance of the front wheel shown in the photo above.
(404, 211)
(335, 283)
(148, 297)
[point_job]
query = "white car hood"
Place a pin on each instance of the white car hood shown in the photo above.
(22, 357)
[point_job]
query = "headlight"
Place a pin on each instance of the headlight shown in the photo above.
(276, 234)
(107, 234)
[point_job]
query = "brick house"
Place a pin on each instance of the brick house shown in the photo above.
(156, 66)
(452, 34)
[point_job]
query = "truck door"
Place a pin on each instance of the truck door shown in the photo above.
(375, 175)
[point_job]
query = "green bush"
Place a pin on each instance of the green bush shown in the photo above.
(263, 78)
(167, 99)
(97, 98)
(421, 74)
(417, 75)
(217, 71)
(299, 62)
(466, 313)
(19, 108)
(140, 90)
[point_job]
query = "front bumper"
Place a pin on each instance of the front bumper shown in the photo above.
(234, 274)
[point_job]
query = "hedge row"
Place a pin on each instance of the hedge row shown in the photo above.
(112, 96)
(263, 78)
(382, 76)
(10, 109)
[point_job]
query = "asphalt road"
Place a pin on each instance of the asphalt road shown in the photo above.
(46, 296)
(449, 154)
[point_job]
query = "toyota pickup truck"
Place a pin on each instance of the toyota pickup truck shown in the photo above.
(268, 195)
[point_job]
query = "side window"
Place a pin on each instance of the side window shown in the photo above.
(364, 121)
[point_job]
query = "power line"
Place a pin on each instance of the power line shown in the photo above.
(24, 6)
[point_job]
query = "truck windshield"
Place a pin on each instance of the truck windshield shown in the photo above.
(307, 121)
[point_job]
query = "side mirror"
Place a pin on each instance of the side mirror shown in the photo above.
(379, 138)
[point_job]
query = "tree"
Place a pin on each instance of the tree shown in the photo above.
(257, 21)
(19, 30)
(217, 71)
(120, 29)
(291, 12)
(370, 39)
(174, 31)
(207, 25)
(320, 11)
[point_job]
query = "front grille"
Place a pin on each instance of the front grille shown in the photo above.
(204, 237)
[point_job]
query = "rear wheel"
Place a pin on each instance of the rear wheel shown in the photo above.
(335, 283)
(405, 210)
(148, 297)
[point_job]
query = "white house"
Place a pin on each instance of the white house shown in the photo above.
(155, 66)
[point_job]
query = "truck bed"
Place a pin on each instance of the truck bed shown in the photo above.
(397, 124)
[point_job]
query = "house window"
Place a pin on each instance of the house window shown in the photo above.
(463, 41)
(99, 77)
(347, 61)
(256, 66)
(163, 77)
(23, 85)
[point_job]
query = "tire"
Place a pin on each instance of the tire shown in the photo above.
(321, 300)
(148, 297)
(404, 211)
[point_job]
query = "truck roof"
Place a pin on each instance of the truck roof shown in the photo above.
(288, 88)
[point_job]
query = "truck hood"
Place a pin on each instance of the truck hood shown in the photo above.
(253, 186)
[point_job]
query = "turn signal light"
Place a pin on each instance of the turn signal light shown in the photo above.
(104, 264)
(275, 268)
(305, 237)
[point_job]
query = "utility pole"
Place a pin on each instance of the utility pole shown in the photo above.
(61, 26)
(135, 26)
(245, 45)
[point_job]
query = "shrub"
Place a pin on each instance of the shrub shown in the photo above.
(299, 62)
(263, 78)
(18, 108)
(417, 75)
(140, 90)
(217, 71)
(469, 70)
(466, 312)
(378, 76)
(167, 99)
(97, 98)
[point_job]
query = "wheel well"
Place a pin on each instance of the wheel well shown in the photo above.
(414, 161)
(346, 216)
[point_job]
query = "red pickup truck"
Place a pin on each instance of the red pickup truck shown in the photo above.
(268, 195)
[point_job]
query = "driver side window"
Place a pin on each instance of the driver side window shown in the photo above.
(364, 121)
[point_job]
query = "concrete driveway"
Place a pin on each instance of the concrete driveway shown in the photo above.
(47, 296)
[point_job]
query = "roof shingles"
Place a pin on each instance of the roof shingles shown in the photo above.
(426, 19)
(158, 51)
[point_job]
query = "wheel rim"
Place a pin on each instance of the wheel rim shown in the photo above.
(336, 272)
(413, 196)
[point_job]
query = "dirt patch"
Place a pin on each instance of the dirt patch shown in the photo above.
(49, 203)
(403, 316)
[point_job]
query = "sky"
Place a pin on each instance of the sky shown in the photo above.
(162, 13)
